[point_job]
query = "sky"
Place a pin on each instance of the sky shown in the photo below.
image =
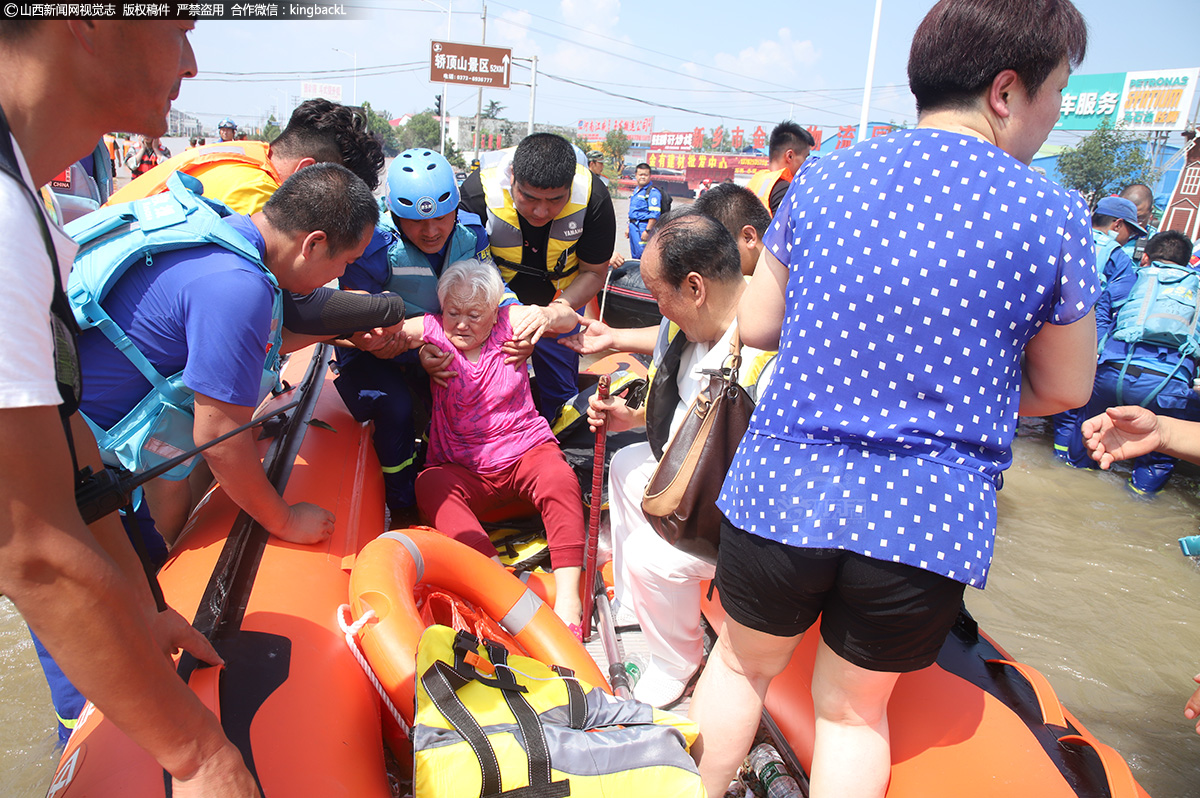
(688, 65)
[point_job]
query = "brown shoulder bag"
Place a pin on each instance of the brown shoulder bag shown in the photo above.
(680, 501)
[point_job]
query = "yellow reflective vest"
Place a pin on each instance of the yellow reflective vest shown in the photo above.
(504, 229)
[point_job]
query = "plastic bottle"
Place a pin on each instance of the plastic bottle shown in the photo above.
(635, 666)
(772, 773)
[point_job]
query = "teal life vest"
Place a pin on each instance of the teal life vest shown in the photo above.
(111, 240)
(1162, 309)
(412, 275)
(1105, 246)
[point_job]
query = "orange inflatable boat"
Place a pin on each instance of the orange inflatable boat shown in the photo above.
(292, 696)
(976, 723)
(310, 723)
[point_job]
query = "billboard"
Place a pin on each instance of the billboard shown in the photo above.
(1154, 101)
(746, 164)
(470, 64)
(637, 130)
(329, 91)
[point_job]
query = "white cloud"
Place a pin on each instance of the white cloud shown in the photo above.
(775, 60)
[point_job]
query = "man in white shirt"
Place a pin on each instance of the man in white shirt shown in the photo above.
(692, 267)
(82, 589)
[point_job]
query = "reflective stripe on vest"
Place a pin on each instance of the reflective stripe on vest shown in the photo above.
(504, 229)
(154, 181)
(411, 275)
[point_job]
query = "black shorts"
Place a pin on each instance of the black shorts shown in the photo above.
(879, 615)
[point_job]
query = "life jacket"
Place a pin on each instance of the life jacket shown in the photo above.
(113, 239)
(491, 724)
(1105, 246)
(1162, 309)
(412, 276)
(250, 153)
(504, 228)
(762, 183)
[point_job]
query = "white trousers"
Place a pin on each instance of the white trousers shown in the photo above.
(660, 583)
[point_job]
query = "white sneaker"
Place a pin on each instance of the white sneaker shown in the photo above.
(657, 689)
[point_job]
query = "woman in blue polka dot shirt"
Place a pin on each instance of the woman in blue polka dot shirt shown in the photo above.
(923, 289)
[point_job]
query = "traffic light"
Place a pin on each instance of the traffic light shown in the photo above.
(437, 105)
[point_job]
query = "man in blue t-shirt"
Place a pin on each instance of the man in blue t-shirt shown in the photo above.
(645, 206)
(208, 312)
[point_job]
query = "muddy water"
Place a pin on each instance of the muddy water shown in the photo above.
(1088, 586)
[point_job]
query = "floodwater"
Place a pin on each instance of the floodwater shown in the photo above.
(1088, 586)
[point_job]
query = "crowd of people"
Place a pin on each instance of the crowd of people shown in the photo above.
(876, 311)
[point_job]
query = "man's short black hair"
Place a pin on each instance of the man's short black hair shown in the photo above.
(1102, 220)
(688, 241)
(544, 160)
(641, 166)
(734, 207)
(789, 136)
(332, 133)
(1169, 246)
(962, 45)
(327, 197)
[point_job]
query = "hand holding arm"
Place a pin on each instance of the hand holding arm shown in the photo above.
(436, 363)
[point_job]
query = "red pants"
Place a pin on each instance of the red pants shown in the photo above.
(450, 496)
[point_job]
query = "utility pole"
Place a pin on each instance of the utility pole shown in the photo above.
(866, 103)
(532, 95)
(479, 104)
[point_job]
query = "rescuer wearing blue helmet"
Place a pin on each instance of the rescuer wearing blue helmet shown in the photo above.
(420, 233)
(227, 129)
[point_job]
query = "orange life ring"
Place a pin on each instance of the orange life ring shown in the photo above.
(391, 566)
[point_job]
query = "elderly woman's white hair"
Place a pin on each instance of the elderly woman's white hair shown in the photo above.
(473, 280)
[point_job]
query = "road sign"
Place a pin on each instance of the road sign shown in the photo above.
(470, 64)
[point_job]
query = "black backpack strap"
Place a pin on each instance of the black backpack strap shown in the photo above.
(65, 329)
(576, 700)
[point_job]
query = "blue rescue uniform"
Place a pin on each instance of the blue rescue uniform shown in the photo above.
(645, 205)
(385, 391)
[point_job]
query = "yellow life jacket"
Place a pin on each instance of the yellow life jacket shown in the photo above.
(196, 162)
(504, 228)
(490, 724)
(762, 183)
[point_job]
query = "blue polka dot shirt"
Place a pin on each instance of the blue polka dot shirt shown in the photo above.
(919, 266)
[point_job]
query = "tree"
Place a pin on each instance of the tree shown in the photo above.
(1104, 162)
(270, 131)
(493, 110)
(616, 144)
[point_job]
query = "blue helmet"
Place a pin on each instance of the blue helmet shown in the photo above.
(421, 185)
(227, 122)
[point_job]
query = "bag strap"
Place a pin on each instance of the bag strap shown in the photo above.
(60, 308)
